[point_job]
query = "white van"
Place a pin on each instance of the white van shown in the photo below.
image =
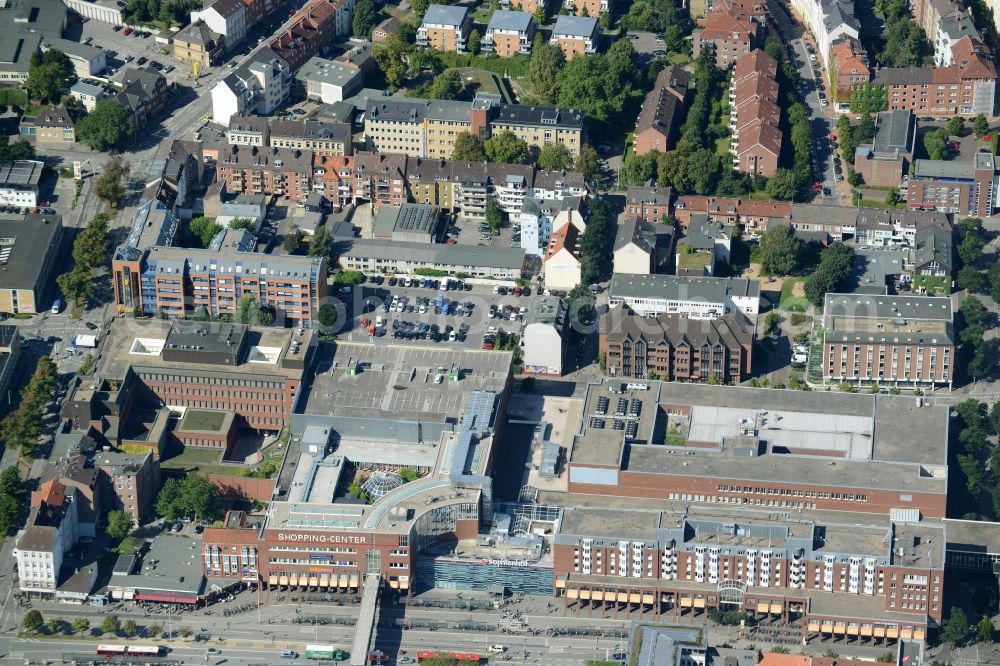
(288, 654)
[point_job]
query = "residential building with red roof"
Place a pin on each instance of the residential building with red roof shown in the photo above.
(732, 29)
(661, 111)
(754, 114)
(849, 63)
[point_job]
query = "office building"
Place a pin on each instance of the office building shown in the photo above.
(330, 81)
(695, 297)
(884, 161)
(19, 183)
(962, 188)
(546, 336)
(30, 250)
(904, 341)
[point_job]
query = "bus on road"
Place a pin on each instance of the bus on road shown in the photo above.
(325, 652)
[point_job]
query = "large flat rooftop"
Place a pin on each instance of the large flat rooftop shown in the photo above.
(395, 382)
(266, 351)
(822, 438)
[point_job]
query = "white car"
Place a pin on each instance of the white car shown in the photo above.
(497, 649)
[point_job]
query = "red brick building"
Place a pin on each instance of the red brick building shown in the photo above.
(316, 26)
(754, 115)
(967, 87)
(906, 341)
(284, 172)
(677, 348)
(652, 204)
(661, 111)
(732, 29)
(850, 67)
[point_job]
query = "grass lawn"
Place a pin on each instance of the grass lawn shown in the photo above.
(477, 80)
(693, 260)
(722, 147)
(680, 58)
(193, 459)
(199, 419)
(787, 300)
(936, 285)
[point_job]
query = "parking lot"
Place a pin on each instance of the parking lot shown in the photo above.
(427, 313)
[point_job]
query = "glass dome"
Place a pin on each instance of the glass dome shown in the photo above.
(381, 483)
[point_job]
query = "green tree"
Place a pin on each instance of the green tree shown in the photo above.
(984, 630)
(110, 185)
(554, 157)
(835, 266)
(76, 285)
(119, 525)
(973, 312)
(869, 98)
(506, 147)
(468, 147)
(588, 162)
(936, 144)
(365, 18)
(783, 185)
(956, 125)
(204, 229)
(600, 84)
(321, 243)
(904, 45)
(47, 74)
(81, 625)
(17, 150)
(193, 497)
(955, 627)
(980, 126)
(327, 315)
(106, 127)
(32, 621)
(245, 223)
(294, 241)
(474, 43)
(54, 625)
(446, 85)
(495, 216)
(153, 630)
(540, 17)
(547, 60)
(129, 628)
(892, 197)
(349, 277)
(703, 171)
(780, 250)
(392, 57)
(111, 624)
(971, 279)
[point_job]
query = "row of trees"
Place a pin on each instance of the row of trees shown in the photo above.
(791, 184)
(507, 148)
(193, 497)
(90, 252)
(112, 625)
(164, 12)
(12, 496)
(22, 427)
(976, 423)
(852, 136)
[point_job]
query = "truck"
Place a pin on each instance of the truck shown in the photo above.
(325, 652)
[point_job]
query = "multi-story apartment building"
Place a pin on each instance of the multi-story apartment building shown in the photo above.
(561, 266)
(754, 115)
(509, 33)
(248, 131)
(732, 28)
(177, 281)
(884, 161)
(284, 172)
(642, 247)
(675, 347)
(963, 188)
(592, 8)
(575, 35)
(945, 22)
(320, 137)
(906, 341)
(694, 297)
(51, 125)
(333, 177)
(259, 86)
(652, 204)
(379, 179)
(849, 66)
(428, 128)
(144, 94)
(131, 481)
(753, 214)
(224, 17)
(658, 121)
(50, 531)
(536, 125)
(828, 21)
(967, 87)
(198, 44)
(876, 228)
(445, 28)
(315, 27)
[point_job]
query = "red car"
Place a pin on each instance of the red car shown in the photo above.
(127, 32)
